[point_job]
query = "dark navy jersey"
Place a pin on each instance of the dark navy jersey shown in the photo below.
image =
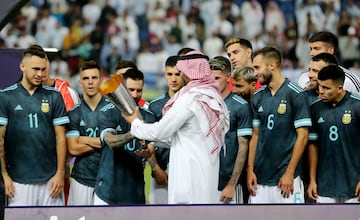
(336, 130)
(30, 142)
(120, 178)
(156, 106)
(277, 117)
(85, 122)
(312, 95)
(240, 126)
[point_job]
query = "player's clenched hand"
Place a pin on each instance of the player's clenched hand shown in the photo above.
(227, 193)
(286, 185)
(312, 190)
(252, 183)
(357, 191)
(56, 185)
(9, 186)
(160, 176)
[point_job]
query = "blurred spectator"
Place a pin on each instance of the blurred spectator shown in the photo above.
(25, 39)
(352, 8)
(253, 16)
(57, 36)
(59, 68)
(213, 46)
(349, 47)
(85, 48)
(331, 18)
(274, 17)
(91, 12)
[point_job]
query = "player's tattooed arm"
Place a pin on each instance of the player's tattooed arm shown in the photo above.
(117, 140)
(2, 148)
(240, 160)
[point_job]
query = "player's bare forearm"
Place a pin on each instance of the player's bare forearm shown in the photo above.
(117, 140)
(252, 149)
(75, 148)
(313, 154)
(2, 149)
(240, 160)
(61, 149)
(299, 147)
(152, 161)
(91, 141)
(357, 191)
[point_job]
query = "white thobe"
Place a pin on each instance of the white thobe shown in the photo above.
(193, 175)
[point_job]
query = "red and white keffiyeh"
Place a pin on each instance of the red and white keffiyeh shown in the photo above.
(214, 117)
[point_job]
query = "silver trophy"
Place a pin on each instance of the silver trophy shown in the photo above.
(115, 90)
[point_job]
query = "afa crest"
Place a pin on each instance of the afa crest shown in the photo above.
(45, 107)
(282, 107)
(346, 118)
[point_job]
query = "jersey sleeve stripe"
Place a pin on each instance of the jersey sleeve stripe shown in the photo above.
(61, 121)
(72, 134)
(304, 122)
(244, 132)
(256, 123)
(295, 87)
(3, 121)
(313, 137)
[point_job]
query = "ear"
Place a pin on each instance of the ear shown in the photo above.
(22, 66)
(253, 85)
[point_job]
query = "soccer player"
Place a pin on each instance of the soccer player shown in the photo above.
(280, 132)
(32, 136)
(160, 159)
(121, 67)
(83, 135)
(334, 149)
(244, 82)
(240, 51)
(318, 62)
(71, 98)
(194, 124)
(234, 154)
(120, 177)
(327, 42)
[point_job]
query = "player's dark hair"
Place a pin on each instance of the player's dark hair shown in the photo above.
(326, 37)
(125, 64)
(326, 57)
(171, 61)
(35, 50)
(242, 41)
(90, 64)
(270, 53)
(134, 74)
(332, 72)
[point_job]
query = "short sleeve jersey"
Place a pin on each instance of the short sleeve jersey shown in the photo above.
(240, 126)
(30, 142)
(277, 117)
(85, 122)
(156, 106)
(120, 178)
(336, 130)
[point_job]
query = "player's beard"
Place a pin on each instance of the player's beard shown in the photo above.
(266, 77)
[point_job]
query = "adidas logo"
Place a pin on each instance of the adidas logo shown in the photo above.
(260, 109)
(320, 120)
(118, 128)
(18, 108)
(82, 123)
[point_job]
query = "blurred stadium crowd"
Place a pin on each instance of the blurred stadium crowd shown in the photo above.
(148, 31)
